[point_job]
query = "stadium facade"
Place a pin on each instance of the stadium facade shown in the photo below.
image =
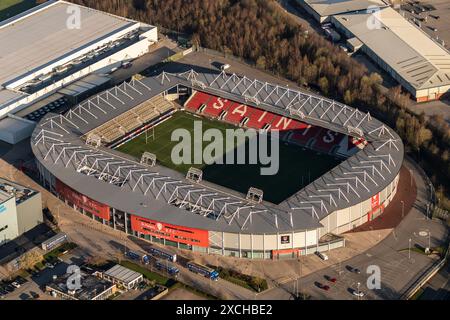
(77, 162)
(57, 43)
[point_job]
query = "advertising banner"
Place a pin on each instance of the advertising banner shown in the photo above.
(375, 201)
(81, 201)
(166, 231)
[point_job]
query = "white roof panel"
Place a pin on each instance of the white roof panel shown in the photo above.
(33, 40)
(409, 51)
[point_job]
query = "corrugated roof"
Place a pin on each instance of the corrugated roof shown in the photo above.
(123, 274)
(408, 50)
(332, 7)
(33, 40)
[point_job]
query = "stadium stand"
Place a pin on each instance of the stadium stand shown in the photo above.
(196, 100)
(133, 119)
(259, 118)
(236, 113)
(327, 140)
(216, 105)
(304, 136)
(290, 130)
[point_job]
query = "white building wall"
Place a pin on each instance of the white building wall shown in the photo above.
(136, 50)
(8, 221)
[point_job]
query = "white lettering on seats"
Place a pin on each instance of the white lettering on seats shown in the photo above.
(262, 116)
(240, 109)
(329, 136)
(285, 121)
(219, 103)
(305, 132)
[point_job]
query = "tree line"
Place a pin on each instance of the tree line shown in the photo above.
(260, 32)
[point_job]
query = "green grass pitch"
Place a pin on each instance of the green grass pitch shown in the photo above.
(297, 167)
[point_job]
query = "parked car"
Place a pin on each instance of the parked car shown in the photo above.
(331, 279)
(20, 280)
(15, 285)
(321, 255)
(323, 287)
(354, 270)
(127, 65)
(358, 293)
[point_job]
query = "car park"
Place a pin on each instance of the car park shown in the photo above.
(20, 280)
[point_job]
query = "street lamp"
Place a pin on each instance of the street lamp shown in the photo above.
(358, 290)
(409, 249)
(403, 208)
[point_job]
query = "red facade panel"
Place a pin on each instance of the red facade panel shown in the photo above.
(196, 237)
(81, 201)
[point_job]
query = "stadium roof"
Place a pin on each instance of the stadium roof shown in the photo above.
(40, 36)
(164, 195)
(332, 7)
(419, 60)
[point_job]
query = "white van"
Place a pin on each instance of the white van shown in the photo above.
(321, 255)
(225, 66)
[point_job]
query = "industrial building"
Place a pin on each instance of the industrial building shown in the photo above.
(418, 63)
(91, 288)
(323, 10)
(409, 55)
(56, 43)
(123, 277)
(20, 210)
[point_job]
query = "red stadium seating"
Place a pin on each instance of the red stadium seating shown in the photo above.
(215, 106)
(258, 118)
(326, 140)
(237, 112)
(304, 135)
(296, 131)
(196, 100)
(284, 123)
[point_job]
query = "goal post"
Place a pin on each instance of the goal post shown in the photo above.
(151, 135)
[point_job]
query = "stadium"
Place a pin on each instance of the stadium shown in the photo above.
(109, 158)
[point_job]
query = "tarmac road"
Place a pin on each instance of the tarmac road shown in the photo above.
(398, 268)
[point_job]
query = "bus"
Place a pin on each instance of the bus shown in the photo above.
(54, 241)
(138, 257)
(203, 270)
(167, 267)
(163, 254)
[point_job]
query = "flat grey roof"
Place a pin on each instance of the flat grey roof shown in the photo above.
(151, 192)
(332, 7)
(41, 36)
(123, 274)
(419, 60)
(8, 96)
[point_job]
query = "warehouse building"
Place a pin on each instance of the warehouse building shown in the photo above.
(323, 10)
(418, 63)
(20, 210)
(56, 43)
(123, 277)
